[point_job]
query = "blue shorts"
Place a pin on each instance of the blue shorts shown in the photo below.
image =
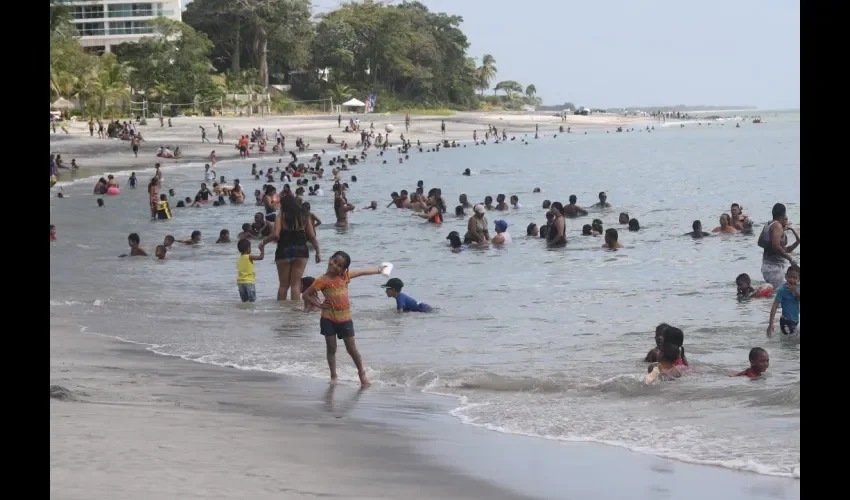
(247, 292)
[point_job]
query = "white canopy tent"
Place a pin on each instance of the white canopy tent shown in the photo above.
(354, 103)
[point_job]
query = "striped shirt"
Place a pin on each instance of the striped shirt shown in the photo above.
(335, 291)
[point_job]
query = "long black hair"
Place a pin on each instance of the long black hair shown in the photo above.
(292, 212)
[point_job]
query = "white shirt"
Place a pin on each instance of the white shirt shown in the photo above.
(506, 236)
(319, 192)
(209, 175)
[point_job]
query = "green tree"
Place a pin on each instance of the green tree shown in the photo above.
(509, 87)
(486, 72)
(179, 58)
(531, 91)
(273, 35)
(113, 80)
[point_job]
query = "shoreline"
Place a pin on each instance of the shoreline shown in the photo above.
(99, 156)
(132, 419)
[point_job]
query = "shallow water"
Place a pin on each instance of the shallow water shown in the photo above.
(533, 341)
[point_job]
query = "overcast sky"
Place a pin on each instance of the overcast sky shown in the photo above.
(610, 53)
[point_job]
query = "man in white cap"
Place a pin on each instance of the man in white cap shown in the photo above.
(476, 228)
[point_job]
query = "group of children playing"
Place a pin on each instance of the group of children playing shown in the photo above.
(668, 357)
(787, 297)
(335, 321)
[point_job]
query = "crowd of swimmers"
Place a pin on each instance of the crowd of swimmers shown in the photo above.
(287, 220)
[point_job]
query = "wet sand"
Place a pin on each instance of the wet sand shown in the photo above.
(127, 423)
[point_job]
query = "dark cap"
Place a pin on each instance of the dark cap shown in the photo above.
(393, 283)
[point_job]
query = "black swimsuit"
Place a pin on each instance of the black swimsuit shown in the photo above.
(552, 235)
(291, 245)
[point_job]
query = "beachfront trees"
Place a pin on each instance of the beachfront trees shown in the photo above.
(271, 36)
(403, 52)
(509, 87)
(112, 79)
(179, 59)
(531, 91)
(486, 72)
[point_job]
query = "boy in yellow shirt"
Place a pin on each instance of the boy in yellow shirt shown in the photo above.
(246, 276)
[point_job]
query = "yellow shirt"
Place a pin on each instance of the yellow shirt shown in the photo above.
(245, 267)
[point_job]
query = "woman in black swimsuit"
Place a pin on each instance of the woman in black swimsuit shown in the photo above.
(292, 229)
(557, 237)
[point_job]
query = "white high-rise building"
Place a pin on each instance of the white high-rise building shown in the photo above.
(105, 23)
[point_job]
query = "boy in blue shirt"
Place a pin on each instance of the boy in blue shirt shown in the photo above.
(787, 296)
(404, 302)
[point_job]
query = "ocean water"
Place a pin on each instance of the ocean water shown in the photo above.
(531, 341)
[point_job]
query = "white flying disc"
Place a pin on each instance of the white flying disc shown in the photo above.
(387, 268)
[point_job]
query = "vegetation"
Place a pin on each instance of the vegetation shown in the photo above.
(413, 59)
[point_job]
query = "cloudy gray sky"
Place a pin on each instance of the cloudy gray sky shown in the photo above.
(639, 52)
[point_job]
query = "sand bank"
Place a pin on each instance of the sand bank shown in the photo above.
(126, 423)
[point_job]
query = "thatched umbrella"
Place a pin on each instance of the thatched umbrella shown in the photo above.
(62, 103)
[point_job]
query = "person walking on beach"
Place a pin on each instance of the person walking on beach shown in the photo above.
(339, 121)
(203, 134)
(91, 127)
(220, 135)
(407, 122)
(443, 127)
(775, 244)
(135, 145)
(336, 310)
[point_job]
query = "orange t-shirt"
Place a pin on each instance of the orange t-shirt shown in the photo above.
(335, 291)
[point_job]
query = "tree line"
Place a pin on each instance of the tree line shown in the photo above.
(407, 55)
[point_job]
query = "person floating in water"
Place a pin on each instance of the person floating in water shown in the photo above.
(195, 239)
(160, 252)
(788, 297)
(746, 290)
(603, 201)
(404, 302)
(697, 233)
(759, 362)
(135, 250)
(611, 237)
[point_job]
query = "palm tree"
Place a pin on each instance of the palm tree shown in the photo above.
(530, 91)
(160, 90)
(86, 86)
(113, 80)
(486, 72)
(341, 92)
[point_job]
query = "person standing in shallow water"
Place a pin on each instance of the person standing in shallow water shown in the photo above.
(336, 318)
(292, 229)
(776, 249)
(476, 227)
(556, 234)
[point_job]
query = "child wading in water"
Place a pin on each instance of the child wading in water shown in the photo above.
(788, 296)
(336, 310)
(759, 361)
(746, 290)
(246, 276)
